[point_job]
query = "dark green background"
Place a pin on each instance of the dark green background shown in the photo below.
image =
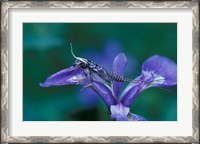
(46, 51)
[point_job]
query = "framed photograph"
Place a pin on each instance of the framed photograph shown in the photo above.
(99, 71)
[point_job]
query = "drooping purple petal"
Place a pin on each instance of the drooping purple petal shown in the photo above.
(157, 71)
(161, 70)
(119, 64)
(135, 117)
(119, 112)
(68, 76)
(105, 93)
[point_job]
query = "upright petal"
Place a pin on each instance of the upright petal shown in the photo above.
(105, 93)
(119, 64)
(161, 70)
(68, 76)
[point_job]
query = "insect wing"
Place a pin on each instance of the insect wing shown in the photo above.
(102, 72)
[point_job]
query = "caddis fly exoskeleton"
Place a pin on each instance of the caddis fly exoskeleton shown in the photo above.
(90, 68)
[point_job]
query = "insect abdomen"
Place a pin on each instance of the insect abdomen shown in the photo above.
(104, 73)
(114, 76)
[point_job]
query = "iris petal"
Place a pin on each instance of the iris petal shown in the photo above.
(119, 64)
(130, 93)
(157, 71)
(105, 93)
(162, 69)
(68, 76)
(119, 112)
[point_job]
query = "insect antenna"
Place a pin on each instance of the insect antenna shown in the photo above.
(164, 89)
(167, 90)
(72, 51)
(131, 80)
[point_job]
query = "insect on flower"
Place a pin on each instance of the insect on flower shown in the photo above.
(90, 68)
(157, 71)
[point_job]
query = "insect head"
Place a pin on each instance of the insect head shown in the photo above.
(79, 61)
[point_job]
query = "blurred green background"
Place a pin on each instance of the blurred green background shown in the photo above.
(46, 51)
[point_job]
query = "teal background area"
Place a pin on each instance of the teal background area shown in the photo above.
(46, 51)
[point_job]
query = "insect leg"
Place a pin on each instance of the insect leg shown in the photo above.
(80, 80)
(86, 86)
(90, 74)
(86, 72)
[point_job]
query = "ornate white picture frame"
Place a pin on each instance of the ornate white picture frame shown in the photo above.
(7, 7)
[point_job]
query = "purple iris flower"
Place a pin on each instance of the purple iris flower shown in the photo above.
(157, 71)
(111, 48)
